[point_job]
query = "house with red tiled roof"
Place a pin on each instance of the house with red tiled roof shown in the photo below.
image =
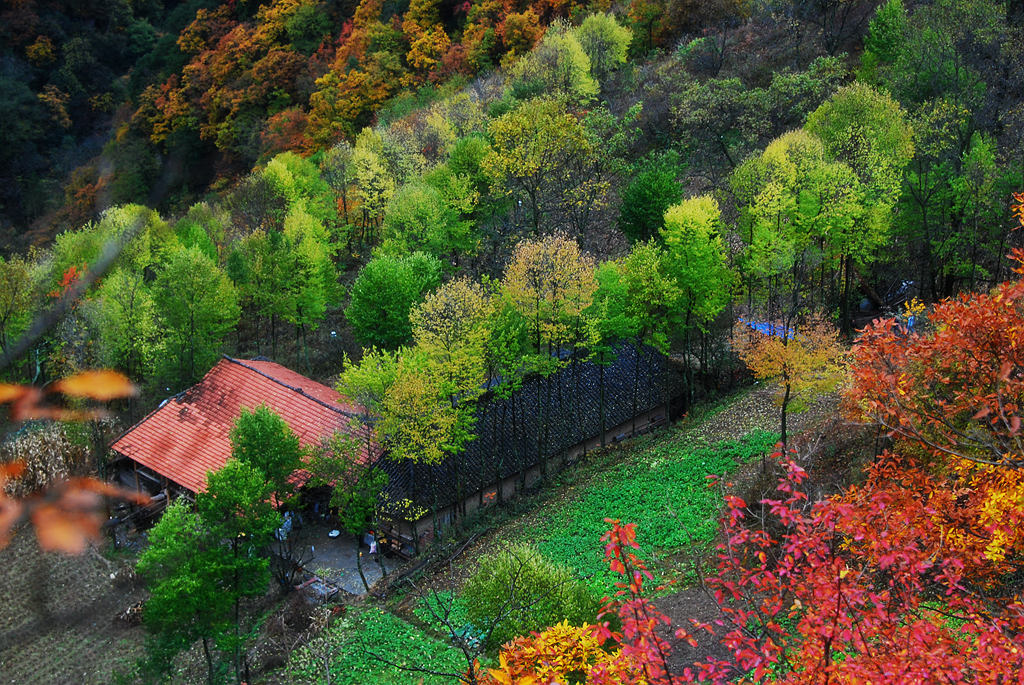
(171, 450)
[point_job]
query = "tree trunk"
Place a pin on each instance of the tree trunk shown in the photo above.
(601, 402)
(359, 563)
(785, 404)
(209, 660)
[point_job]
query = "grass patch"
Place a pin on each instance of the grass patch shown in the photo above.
(439, 602)
(353, 642)
(662, 488)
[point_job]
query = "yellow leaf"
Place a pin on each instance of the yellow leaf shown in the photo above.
(100, 385)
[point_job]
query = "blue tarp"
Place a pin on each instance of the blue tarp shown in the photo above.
(767, 328)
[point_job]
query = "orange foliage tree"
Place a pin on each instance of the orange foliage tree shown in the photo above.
(803, 362)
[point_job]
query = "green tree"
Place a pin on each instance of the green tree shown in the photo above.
(235, 508)
(192, 234)
(263, 266)
(697, 260)
(720, 120)
(197, 306)
(264, 441)
(516, 590)
(419, 217)
(505, 348)
(978, 203)
(313, 283)
(384, 293)
(644, 201)
(368, 381)
(804, 220)
(653, 301)
(18, 293)
(868, 131)
(466, 159)
(298, 180)
(184, 570)
(885, 38)
(610, 324)
(126, 321)
(75, 248)
(356, 485)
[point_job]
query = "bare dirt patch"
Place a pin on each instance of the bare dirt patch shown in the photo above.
(59, 618)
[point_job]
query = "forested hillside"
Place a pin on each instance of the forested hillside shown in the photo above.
(890, 165)
(443, 208)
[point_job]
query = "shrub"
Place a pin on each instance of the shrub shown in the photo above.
(523, 591)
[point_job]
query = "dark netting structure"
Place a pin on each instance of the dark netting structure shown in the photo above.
(539, 423)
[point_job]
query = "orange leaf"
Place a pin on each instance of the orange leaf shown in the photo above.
(101, 488)
(11, 470)
(100, 385)
(10, 510)
(1004, 370)
(10, 393)
(64, 531)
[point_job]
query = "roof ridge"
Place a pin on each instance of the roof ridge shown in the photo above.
(293, 388)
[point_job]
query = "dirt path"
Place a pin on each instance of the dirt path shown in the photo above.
(755, 410)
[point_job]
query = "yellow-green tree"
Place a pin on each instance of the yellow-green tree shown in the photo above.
(18, 292)
(697, 260)
(374, 183)
(126, 318)
(450, 330)
(529, 148)
(449, 326)
(550, 282)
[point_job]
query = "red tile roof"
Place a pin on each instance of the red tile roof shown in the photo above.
(188, 435)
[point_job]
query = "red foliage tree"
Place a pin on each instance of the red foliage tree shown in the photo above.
(850, 592)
